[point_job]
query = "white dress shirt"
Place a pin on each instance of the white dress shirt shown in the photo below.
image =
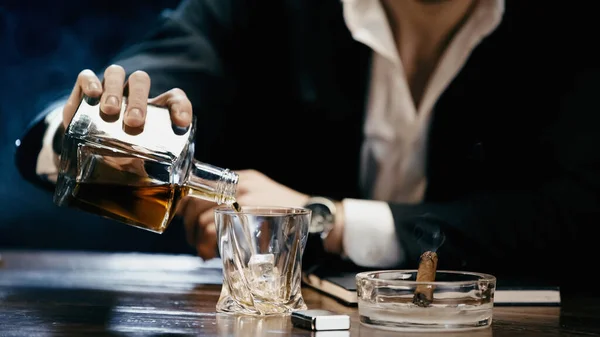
(395, 132)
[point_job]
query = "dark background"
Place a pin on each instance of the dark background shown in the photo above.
(44, 45)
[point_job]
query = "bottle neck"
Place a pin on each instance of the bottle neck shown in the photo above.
(212, 183)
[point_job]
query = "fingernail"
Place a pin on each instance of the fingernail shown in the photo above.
(135, 113)
(112, 100)
(93, 86)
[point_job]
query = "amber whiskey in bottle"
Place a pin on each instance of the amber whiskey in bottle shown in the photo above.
(136, 179)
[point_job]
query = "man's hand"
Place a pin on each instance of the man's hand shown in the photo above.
(111, 90)
(254, 189)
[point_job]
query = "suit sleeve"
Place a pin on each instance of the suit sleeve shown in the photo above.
(191, 49)
(546, 230)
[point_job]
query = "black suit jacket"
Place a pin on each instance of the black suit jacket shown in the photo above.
(512, 164)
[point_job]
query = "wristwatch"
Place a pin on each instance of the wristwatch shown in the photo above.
(323, 216)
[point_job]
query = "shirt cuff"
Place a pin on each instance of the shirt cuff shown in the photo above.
(48, 160)
(370, 235)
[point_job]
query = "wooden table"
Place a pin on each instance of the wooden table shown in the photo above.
(95, 294)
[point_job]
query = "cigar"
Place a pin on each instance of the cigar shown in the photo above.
(427, 267)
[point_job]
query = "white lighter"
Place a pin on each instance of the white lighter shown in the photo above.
(320, 320)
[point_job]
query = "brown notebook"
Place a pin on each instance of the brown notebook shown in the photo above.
(342, 287)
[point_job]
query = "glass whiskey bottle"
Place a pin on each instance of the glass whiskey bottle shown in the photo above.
(138, 179)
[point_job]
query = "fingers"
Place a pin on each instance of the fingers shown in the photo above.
(179, 105)
(200, 230)
(207, 217)
(244, 178)
(191, 211)
(244, 199)
(206, 234)
(181, 208)
(190, 217)
(206, 243)
(245, 173)
(248, 180)
(87, 84)
(137, 101)
(110, 94)
(114, 78)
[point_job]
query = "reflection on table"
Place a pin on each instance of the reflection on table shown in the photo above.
(77, 293)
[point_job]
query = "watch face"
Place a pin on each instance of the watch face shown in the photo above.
(320, 219)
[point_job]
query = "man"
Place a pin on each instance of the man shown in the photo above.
(469, 124)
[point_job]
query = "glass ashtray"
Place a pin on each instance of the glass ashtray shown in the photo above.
(458, 300)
